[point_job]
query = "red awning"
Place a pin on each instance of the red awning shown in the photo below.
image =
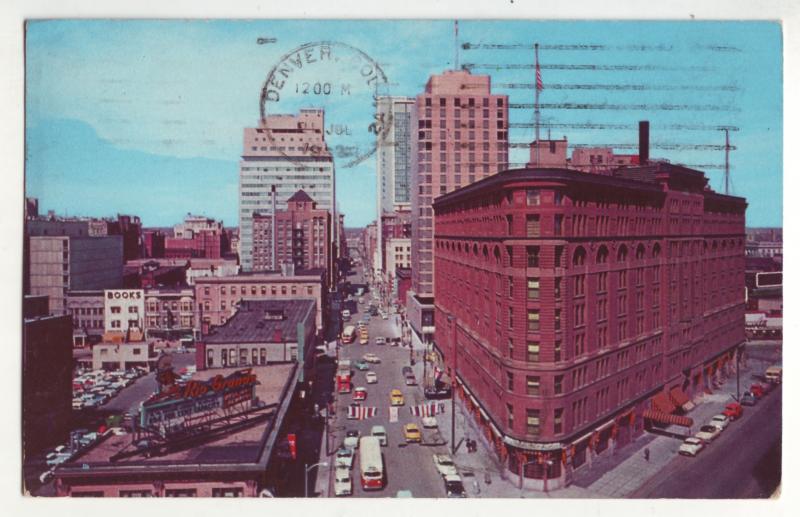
(662, 403)
(666, 418)
(678, 397)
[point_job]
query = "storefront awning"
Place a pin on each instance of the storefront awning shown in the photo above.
(666, 418)
(662, 403)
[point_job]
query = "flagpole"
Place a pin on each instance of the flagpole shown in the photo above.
(536, 103)
(455, 43)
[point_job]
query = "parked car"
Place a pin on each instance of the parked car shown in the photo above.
(372, 377)
(411, 380)
(380, 432)
(396, 398)
(351, 439)
(454, 487)
(432, 393)
(412, 433)
(371, 358)
(444, 464)
(748, 399)
(46, 476)
(380, 340)
(691, 446)
(429, 422)
(757, 390)
(708, 433)
(733, 411)
(344, 457)
(343, 483)
(720, 421)
(360, 394)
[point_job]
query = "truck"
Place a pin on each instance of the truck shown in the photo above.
(343, 376)
(774, 374)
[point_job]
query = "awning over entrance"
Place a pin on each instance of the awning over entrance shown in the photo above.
(662, 403)
(680, 398)
(666, 418)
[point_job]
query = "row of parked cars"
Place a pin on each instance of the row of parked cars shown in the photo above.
(96, 387)
(80, 439)
(709, 432)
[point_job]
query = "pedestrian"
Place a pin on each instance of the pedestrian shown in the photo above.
(646, 454)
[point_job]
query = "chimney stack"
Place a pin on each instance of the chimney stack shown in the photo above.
(644, 142)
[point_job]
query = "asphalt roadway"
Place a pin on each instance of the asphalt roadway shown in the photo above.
(743, 463)
(407, 466)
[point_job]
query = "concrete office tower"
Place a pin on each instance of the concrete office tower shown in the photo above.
(63, 263)
(461, 136)
(393, 161)
(289, 152)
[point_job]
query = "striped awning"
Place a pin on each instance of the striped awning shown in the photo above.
(666, 418)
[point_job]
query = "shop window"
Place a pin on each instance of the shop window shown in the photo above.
(180, 492)
(136, 493)
(227, 492)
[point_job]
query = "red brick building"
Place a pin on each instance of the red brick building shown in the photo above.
(302, 233)
(197, 237)
(585, 305)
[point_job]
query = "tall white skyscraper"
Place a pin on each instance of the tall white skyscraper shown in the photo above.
(289, 152)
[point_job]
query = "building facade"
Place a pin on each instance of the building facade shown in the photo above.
(124, 312)
(218, 297)
(287, 152)
(302, 236)
(123, 356)
(46, 377)
(87, 309)
(60, 264)
(571, 305)
(197, 237)
(461, 136)
(169, 313)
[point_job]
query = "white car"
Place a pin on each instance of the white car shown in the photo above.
(720, 421)
(58, 458)
(429, 422)
(384, 316)
(344, 458)
(380, 340)
(351, 439)
(372, 377)
(708, 433)
(444, 464)
(343, 483)
(691, 446)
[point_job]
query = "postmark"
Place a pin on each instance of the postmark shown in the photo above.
(343, 81)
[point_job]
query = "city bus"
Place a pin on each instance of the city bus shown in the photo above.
(349, 334)
(371, 463)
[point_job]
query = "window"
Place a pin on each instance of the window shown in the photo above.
(263, 356)
(533, 421)
(533, 351)
(511, 317)
(510, 413)
(510, 381)
(532, 383)
(559, 256)
(136, 493)
(283, 289)
(116, 310)
(557, 288)
(224, 357)
(227, 492)
(533, 288)
(309, 290)
(137, 351)
(558, 223)
(558, 419)
(533, 256)
(206, 291)
(580, 285)
(209, 357)
(534, 197)
(180, 492)
(532, 226)
(602, 282)
(558, 384)
(274, 290)
(557, 350)
(533, 320)
(557, 318)
(133, 309)
(254, 355)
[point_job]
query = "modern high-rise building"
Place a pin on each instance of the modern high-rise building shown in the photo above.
(394, 161)
(62, 263)
(288, 152)
(461, 136)
(574, 309)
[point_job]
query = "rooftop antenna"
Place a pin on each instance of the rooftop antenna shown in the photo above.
(455, 43)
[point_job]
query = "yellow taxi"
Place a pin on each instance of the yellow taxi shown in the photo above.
(396, 397)
(363, 337)
(412, 433)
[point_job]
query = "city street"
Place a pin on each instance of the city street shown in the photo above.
(408, 467)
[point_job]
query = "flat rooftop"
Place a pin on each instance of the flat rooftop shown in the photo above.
(263, 321)
(243, 446)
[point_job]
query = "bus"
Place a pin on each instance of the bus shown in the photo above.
(349, 334)
(371, 463)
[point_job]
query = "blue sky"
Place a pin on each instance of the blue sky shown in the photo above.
(146, 117)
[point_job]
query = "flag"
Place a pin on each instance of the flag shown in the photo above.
(539, 83)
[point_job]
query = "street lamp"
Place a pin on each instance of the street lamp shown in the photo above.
(307, 470)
